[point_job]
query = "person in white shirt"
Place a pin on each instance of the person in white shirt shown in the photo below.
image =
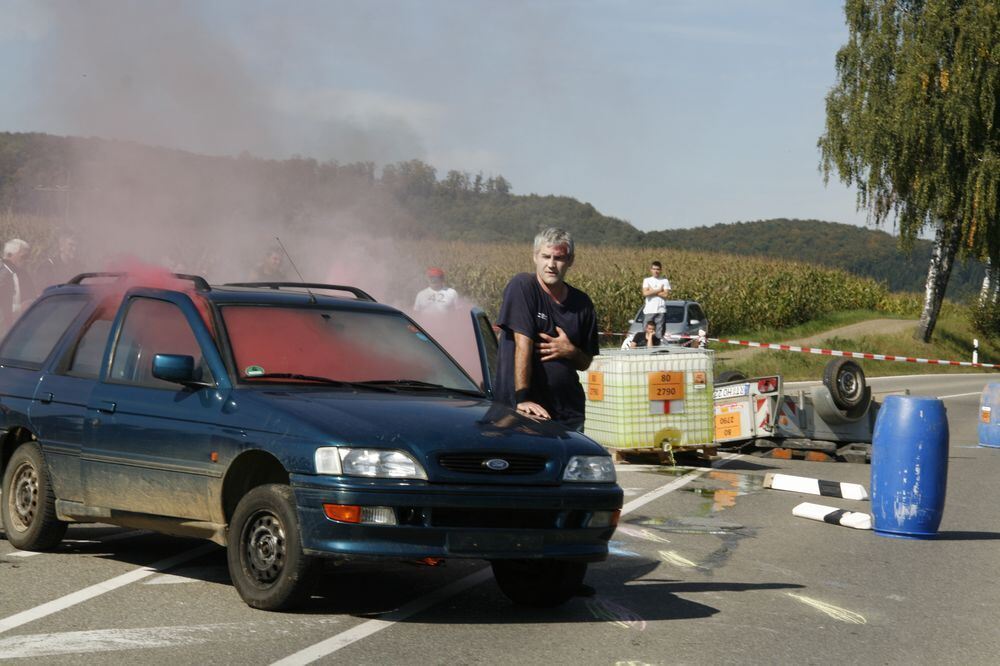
(436, 297)
(656, 291)
(16, 287)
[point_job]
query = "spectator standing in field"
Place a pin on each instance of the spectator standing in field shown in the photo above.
(656, 291)
(16, 286)
(272, 268)
(644, 338)
(548, 331)
(61, 265)
(436, 297)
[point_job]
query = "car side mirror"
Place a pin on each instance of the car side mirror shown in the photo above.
(177, 368)
(695, 322)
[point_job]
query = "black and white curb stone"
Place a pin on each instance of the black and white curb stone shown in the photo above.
(802, 484)
(833, 515)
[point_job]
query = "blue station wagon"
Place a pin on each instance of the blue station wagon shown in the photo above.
(288, 422)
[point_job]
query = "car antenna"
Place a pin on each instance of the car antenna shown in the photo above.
(312, 297)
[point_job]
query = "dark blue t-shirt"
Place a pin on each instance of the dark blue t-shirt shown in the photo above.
(528, 310)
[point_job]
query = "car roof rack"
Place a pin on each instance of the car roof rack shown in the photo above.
(360, 294)
(200, 283)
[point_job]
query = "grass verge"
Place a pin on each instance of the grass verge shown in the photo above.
(952, 341)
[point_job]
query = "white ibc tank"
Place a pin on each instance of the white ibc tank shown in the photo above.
(639, 399)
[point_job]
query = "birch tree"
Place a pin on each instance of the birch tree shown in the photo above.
(912, 122)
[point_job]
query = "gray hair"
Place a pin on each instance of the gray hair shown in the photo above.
(554, 236)
(13, 246)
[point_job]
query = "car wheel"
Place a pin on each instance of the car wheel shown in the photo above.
(29, 505)
(539, 583)
(730, 376)
(266, 562)
(846, 382)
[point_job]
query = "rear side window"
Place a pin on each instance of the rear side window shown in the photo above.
(90, 351)
(37, 332)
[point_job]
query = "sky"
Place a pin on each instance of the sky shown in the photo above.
(668, 114)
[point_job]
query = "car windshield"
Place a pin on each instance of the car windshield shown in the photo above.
(279, 343)
(674, 314)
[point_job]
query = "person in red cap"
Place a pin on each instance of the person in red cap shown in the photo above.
(436, 297)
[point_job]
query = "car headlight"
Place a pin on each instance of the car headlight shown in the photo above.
(591, 469)
(372, 463)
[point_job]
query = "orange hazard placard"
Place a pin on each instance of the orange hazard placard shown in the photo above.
(595, 386)
(727, 425)
(666, 385)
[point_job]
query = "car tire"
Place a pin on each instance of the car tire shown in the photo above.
(730, 376)
(539, 583)
(846, 382)
(29, 504)
(266, 563)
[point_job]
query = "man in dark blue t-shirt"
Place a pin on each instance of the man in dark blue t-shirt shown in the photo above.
(548, 331)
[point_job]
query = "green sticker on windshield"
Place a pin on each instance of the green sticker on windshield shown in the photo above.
(253, 371)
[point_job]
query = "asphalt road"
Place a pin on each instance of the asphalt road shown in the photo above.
(708, 567)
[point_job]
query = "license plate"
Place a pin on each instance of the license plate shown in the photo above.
(734, 391)
(486, 542)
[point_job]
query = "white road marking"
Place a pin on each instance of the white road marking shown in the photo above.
(672, 557)
(62, 603)
(837, 613)
(642, 533)
(214, 574)
(365, 629)
(662, 490)
(79, 542)
(959, 395)
(616, 614)
(114, 640)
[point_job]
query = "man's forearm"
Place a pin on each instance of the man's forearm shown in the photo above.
(582, 360)
(524, 347)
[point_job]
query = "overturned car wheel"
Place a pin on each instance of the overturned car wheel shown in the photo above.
(846, 382)
(266, 562)
(730, 376)
(539, 583)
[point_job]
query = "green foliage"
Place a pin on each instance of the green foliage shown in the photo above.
(984, 316)
(913, 118)
(865, 252)
(738, 293)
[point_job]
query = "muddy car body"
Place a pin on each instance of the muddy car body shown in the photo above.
(287, 425)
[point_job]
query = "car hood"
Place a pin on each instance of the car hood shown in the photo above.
(427, 426)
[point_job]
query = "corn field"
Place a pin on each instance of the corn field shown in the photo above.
(738, 293)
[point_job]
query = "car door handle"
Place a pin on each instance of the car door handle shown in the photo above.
(106, 406)
(46, 398)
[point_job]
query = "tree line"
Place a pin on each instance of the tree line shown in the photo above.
(83, 178)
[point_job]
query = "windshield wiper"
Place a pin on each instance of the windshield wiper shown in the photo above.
(321, 380)
(418, 384)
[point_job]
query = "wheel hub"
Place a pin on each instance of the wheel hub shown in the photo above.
(265, 547)
(848, 383)
(24, 497)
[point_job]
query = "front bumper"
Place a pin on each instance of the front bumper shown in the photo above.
(458, 521)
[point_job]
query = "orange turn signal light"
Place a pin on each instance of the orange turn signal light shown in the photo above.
(345, 513)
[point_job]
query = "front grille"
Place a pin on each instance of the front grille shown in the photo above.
(474, 463)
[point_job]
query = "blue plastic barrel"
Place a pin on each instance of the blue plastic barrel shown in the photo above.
(909, 467)
(989, 416)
